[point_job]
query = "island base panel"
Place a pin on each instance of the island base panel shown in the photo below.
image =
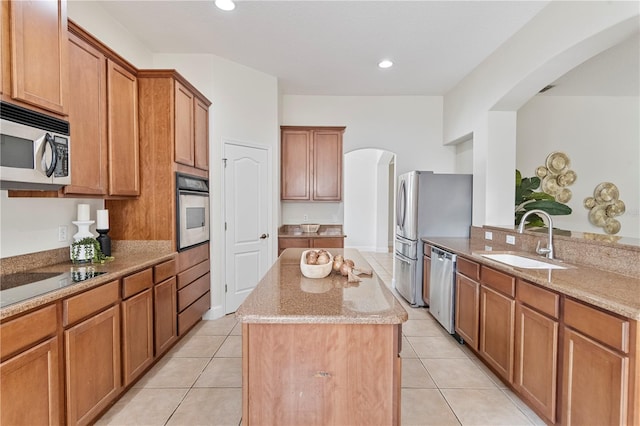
(321, 374)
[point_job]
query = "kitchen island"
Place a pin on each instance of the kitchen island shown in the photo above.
(320, 351)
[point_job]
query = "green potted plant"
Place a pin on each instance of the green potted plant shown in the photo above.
(527, 198)
(87, 249)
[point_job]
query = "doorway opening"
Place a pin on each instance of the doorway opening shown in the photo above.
(369, 194)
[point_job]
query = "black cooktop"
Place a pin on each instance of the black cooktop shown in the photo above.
(22, 286)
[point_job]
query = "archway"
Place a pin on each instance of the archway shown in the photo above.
(369, 183)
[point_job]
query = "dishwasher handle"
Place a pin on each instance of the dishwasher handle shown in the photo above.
(441, 255)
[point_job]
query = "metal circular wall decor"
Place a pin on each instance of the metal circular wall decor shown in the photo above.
(556, 176)
(604, 206)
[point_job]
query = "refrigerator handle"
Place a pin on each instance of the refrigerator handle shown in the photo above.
(401, 207)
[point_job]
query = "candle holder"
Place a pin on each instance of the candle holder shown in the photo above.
(105, 241)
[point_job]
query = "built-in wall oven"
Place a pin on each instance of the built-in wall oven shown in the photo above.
(192, 210)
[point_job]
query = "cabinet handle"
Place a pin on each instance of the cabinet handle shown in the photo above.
(264, 236)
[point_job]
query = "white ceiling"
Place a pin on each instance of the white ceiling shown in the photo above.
(333, 47)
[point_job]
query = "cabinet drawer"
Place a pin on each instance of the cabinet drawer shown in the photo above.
(538, 298)
(607, 328)
(20, 333)
(328, 242)
(284, 243)
(135, 283)
(469, 268)
(164, 270)
(191, 274)
(78, 307)
(193, 313)
(193, 291)
(192, 256)
(498, 281)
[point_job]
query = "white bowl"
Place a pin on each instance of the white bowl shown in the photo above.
(310, 227)
(315, 271)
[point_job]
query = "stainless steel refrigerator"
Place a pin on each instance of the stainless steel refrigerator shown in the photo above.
(428, 204)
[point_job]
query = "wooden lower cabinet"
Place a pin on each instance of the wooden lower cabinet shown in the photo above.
(30, 387)
(594, 383)
(92, 365)
(137, 335)
(497, 331)
(467, 312)
(536, 360)
(193, 284)
(165, 315)
(599, 367)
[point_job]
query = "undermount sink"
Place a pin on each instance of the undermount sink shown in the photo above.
(521, 262)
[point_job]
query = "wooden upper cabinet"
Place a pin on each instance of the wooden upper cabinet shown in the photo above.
(201, 134)
(192, 128)
(122, 125)
(184, 149)
(87, 113)
(311, 163)
(327, 165)
(35, 45)
(296, 165)
(168, 95)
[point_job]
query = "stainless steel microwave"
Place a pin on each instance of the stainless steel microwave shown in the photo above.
(35, 150)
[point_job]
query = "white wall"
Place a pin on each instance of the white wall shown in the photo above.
(30, 225)
(361, 196)
(600, 136)
(561, 36)
(408, 126)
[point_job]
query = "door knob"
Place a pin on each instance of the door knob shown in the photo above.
(263, 236)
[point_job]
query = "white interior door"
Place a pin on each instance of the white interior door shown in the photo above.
(247, 239)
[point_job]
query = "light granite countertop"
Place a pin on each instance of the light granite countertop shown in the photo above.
(284, 295)
(613, 292)
(127, 260)
(325, 231)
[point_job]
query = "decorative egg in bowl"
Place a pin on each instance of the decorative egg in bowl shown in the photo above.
(316, 263)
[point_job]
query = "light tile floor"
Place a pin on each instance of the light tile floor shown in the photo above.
(199, 382)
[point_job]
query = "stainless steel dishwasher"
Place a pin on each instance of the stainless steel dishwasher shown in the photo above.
(442, 288)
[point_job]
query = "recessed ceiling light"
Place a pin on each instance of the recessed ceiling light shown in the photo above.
(385, 63)
(226, 5)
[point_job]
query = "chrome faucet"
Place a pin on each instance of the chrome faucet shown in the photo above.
(547, 251)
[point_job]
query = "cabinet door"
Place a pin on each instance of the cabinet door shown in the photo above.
(30, 387)
(184, 148)
(327, 165)
(426, 277)
(38, 34)
(536, 360)
(497, 331)
(295, 165)
(137, 335)
(122, 95)
(92, 363)
(201, 135)
(594, 383)
(87, 112)
(467, 310)
(166, 315)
